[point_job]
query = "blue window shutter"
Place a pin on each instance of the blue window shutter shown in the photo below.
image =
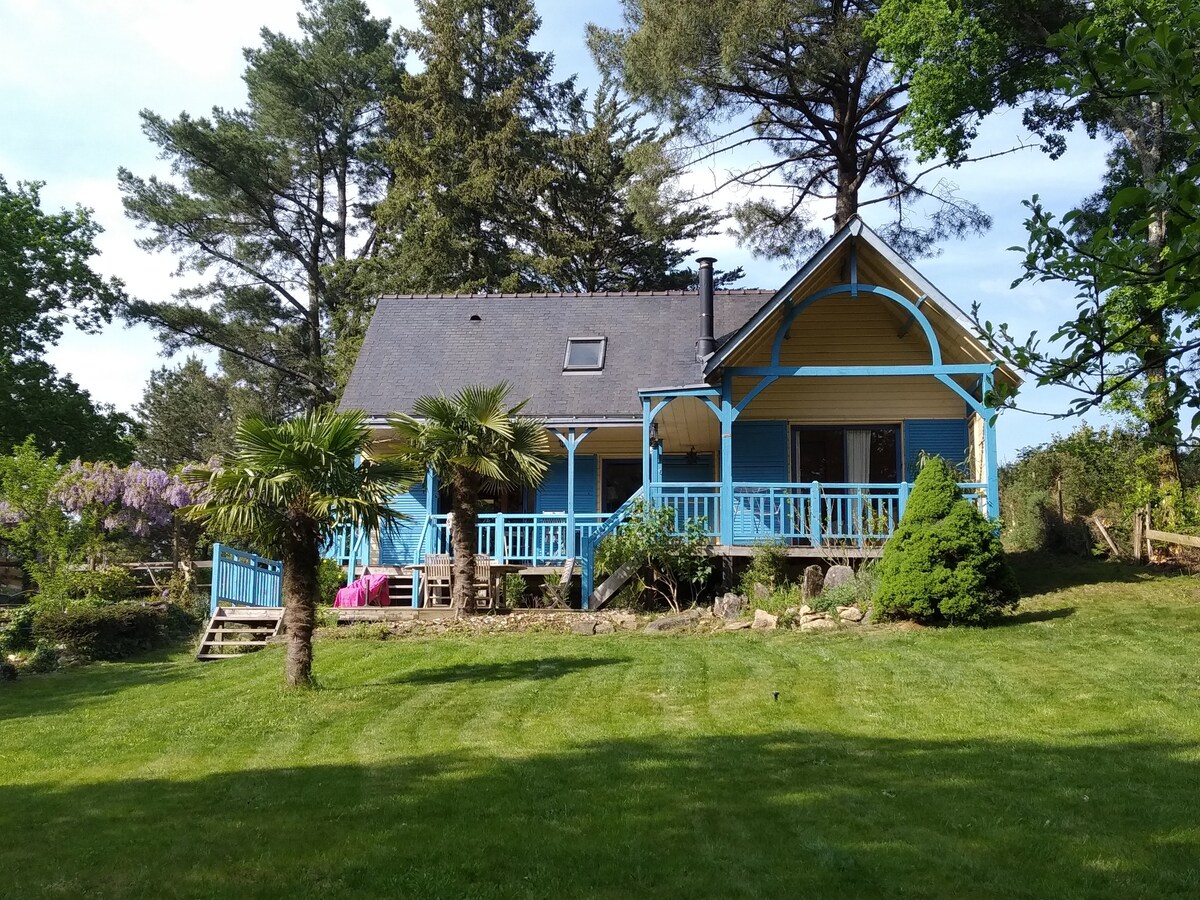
(552, 493)
(397, 542)
(760, 451)
(677, 468)
(760, 454)
(946, 438)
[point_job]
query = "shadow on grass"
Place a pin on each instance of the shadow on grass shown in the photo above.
(784, 814)
(1035, 615)
(1040, 573)
(517, 670)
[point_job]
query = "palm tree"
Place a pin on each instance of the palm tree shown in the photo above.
(476, 444)
(286, 487)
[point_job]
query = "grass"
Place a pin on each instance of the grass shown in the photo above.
(1057, 756)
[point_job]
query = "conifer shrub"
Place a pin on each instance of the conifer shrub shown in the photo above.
(944, 563)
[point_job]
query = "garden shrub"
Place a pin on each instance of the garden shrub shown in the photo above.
(112, 631)
(8, 672)
(106, 584)
(667, 562)
(44, 658)
(944, 562)
(768, 567)
(513, 590)
(17, 633)
(330, 579)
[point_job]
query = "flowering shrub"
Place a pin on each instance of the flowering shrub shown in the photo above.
(134, 499)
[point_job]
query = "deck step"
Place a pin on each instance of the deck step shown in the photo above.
(250, 628)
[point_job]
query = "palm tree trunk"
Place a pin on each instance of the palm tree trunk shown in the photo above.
(300, 561)
(465, 505)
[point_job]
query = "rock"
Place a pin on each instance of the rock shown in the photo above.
(760, 592)
(738, 626)
(730, 606)
(706, 612)
(850, 614)
(674, 623)
(626, 621)
(838, 575)
(821, 624)
(604, 628)
(805, 610)
(813, 579)
(583, 628)
(764, 620)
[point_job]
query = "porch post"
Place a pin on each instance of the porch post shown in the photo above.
(728, 414)
(570, 442)
(646, 473)
(989, 444)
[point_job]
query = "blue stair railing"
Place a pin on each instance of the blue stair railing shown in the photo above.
(589, 543)
(245, 579)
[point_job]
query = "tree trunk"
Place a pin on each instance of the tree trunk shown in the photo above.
(301, 558)
(463, 539)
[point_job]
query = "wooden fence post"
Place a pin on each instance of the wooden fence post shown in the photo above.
(1137, 536)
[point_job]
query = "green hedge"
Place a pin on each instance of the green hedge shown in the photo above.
(113, 631)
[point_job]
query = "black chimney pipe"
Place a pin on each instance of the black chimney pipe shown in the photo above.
(707, 344)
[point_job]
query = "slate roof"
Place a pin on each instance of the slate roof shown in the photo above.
(426, 344)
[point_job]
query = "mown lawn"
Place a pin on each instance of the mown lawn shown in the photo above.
(1057, 756)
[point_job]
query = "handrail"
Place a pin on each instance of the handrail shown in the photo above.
(245, 579)
(418, 555)
(590, 542)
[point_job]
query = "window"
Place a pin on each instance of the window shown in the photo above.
(854, 454)
(585, 353)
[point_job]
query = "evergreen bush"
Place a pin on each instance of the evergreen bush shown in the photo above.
(944, 562)
(112, 631)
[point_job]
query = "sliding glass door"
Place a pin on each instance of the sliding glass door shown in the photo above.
(855, 454)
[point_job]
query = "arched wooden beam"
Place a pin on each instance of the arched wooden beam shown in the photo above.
(854, 289)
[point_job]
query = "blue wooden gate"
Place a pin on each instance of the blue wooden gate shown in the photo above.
(244, 579)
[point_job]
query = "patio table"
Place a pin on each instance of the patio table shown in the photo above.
(498, 571)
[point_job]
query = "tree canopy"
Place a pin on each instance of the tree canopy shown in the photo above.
(265, 200)
(804, 81)
(47, 284)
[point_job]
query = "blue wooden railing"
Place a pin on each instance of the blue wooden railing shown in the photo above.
(587, 546)
(244, 579)
(536, 539)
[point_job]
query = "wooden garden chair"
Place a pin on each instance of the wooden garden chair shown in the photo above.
(484, 596)
(436, 580)
(558, 596)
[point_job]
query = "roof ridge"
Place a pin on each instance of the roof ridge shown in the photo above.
(565, 295)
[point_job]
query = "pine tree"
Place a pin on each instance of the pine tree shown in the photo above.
(268, 200)
(613, 219)
(471, 150)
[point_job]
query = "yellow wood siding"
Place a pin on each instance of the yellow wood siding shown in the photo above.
(849, 401)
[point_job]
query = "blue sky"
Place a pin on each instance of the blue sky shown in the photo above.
(75, 73)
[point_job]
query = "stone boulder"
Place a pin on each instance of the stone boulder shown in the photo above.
(821, 624)
(814, 578)
(604, 628)
(850, 614)
(626, 621)
(685, 619)
(764, 620)
(838, 575)
(760, 592)
(738, 626)
(730, 606)
(583, 628)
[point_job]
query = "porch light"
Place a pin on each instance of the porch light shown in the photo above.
(692, 456)
(655, 440)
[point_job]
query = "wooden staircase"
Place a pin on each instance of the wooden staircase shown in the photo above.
(400, 583)
(234, 630)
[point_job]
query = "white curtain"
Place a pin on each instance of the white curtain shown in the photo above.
(858, 455)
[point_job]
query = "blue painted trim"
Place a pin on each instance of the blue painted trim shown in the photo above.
(935, 348)
(989, 444)
(728, 415)
(766, 382)
(680, 392)
(571, 441)
(979, 369)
